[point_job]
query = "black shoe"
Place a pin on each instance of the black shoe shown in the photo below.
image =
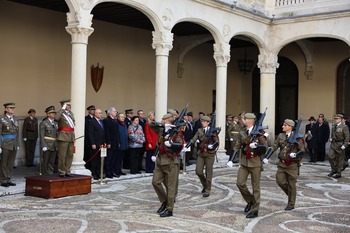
(11, 184)
(122, 173)
(248, 207)
(69, 175)
(288, 208)
(109, 176)
(331, 174)
(62, 176)
(5, 185)
(203, 190)
(252, 215)
(206, 194)
(96, 178)
(162, 208)
(188, 164)
(32, 165)
(336, 176)
(166, 213)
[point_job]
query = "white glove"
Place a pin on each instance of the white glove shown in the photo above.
(44, 148)
(292, 155)
(210, 146)
(330, 139)
(229, 164)
(17, 147)
(253, 145)
(25, 139)
(231, 139)
(342, 147)
(197, 141)
(64, 106)
(167, 143)
(266, 134)
(0, 150)
(153, 158)
(265, 161)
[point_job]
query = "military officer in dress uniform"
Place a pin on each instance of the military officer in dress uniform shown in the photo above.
(65, 138)
(289, 161)
(167, 165)
(250, 164)
(206, 155)
(233, 132)
(9, 144)
(87, 146)
(30, 135)
(339, 141)
(48, 132)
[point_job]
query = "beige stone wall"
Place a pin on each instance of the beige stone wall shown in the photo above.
(36, 62)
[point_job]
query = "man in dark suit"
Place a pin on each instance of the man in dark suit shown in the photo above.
(30, 136)
(112, 141)
(311, 133)
(128, 115)
(187, 137)
(87, 147)
(97, 139)
(323, 136)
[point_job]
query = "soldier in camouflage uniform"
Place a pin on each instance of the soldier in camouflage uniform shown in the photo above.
(339, 141)
(48, 130)
(9, 144)
(289, 161)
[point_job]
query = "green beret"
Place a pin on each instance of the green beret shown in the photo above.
(172, 111)
(205, 118)
(289, 122)
(249, 116)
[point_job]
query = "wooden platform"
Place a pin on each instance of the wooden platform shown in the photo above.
(52, 186)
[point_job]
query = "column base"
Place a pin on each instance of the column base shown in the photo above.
(79, 168)
(222, 156)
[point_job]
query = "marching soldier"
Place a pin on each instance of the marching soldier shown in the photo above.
(65, 138)
(339, 141)
(30, 135)
(289, 161)
(48, 131)
(9, 144)
(206, 156)
(250, 164)
(167, 166)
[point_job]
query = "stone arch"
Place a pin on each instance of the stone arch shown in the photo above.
(256, 39)
(306, 48)
(283, 43)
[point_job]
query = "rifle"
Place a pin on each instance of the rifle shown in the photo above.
(293, 141)
(258, 127)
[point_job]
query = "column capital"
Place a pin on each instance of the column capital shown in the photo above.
(268, 62)
(162, 42)
(79, 35)
(222, 54)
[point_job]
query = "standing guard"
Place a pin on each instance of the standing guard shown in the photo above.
(167, 164)
(48, 131)
(30, 136)
(339, 141)
(9, 144)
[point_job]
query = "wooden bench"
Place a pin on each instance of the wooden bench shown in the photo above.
(52, 186)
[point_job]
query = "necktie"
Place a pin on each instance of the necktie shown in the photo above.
(100, 121)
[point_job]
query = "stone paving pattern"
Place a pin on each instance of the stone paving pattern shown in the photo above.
(129, 205)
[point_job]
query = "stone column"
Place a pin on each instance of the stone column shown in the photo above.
(222, 57)
(268, 65)
(80, 37)
(162, 43)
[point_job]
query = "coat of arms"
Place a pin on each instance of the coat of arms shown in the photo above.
(96, 77)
